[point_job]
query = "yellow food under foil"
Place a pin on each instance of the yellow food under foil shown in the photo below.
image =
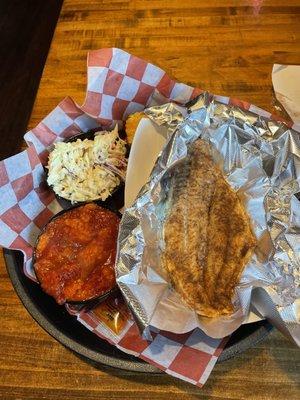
(131, 125)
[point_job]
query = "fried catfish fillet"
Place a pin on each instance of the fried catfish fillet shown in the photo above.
(207, 234)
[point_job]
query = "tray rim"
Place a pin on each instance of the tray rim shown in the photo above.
(93, 356)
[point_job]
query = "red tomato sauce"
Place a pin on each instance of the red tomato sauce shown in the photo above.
(75, 255)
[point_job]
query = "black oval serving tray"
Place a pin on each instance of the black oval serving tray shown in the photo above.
(68, 331)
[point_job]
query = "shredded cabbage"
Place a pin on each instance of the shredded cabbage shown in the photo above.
(87, 170)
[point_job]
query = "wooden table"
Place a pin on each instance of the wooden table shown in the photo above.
(227, 47)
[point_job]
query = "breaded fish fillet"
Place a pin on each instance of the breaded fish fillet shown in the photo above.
(207, 234)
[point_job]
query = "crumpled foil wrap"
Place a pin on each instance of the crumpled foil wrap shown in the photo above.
(261, 160)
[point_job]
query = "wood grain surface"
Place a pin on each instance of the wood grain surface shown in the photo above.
(226, 47)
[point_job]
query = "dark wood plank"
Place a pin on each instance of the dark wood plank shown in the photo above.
(26, 30)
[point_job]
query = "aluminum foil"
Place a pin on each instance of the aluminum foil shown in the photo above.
(260, 159)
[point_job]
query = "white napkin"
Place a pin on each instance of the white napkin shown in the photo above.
(286, 83)
(148, 142)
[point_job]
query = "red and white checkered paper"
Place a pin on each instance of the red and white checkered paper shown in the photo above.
(118, 84)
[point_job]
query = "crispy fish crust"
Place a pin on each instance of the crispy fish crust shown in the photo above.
(207, 234)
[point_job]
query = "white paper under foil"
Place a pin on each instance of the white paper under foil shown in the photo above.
(147, 143)
(286, 83)
(260, 159)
